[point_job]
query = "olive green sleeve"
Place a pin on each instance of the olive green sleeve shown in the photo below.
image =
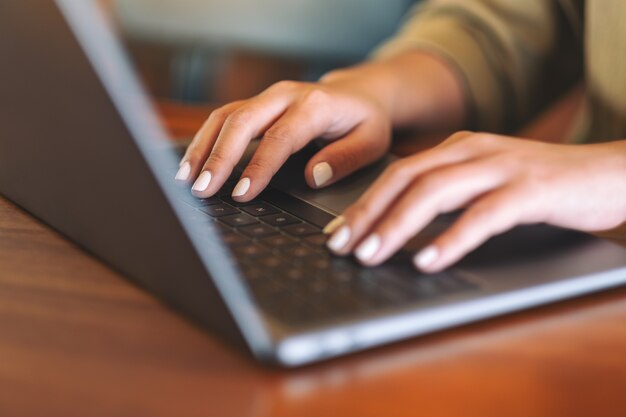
(500, 49)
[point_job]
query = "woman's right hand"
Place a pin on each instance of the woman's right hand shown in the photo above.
(287, 116)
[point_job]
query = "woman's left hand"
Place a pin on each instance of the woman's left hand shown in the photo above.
(501, 181)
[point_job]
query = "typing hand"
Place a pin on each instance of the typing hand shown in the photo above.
(501, 181)
(287, 116)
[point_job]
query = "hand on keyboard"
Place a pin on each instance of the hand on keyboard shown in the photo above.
(288, 116)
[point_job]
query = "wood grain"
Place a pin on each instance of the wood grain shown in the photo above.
(77, 339)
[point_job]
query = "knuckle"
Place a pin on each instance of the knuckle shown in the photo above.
(219, 114)
(459, 136)
(483, 139)
(314, 96)
(217, 158)
(398, 169)
(284, 85)
(280, 134)
(258, 165)
(240, 118)
(429, 184)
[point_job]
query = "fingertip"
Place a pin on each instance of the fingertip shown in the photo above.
(322, 173)
(339, 240)
(241, 188)
(249, 196)
(184, 172)
(368, 249)
(427, 259)
(201, 185)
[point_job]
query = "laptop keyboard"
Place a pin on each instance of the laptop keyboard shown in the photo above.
(294, 277)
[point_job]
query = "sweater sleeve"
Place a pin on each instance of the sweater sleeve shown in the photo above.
(511, 56)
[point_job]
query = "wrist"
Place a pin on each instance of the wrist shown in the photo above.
(369, 79)
(416, 89)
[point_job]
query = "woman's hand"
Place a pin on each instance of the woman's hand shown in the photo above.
(501, 181)
(287, 116)
(353, 109)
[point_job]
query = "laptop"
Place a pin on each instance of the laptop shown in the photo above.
(82, 150)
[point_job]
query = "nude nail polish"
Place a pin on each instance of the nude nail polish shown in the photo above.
(183, 172)
(368, 248)
(203, 181)
(322, 173)
(242, 187)
(339, 239)
(426, 257)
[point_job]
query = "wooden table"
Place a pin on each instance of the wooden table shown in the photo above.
(77, 339)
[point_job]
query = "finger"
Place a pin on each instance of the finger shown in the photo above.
(437, 192)
(402, 172)
(313, 115)
(302, 122)
(492, 214)
(202, 143)
(239, 128)
(387, 188)
(366, 144)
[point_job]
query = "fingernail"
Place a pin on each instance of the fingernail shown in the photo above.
(242, 187)
(203, 181)
(368, 248)
(339, 239)
(426, 257)
(322, 173)
(183, 172)
(334, 225)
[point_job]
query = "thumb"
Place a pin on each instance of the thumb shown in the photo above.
(341, 158)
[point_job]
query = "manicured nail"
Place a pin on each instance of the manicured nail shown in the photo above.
(334, 225)
(339, 239)
(322, 173)
(426, 257)
(242, 187)
(203, 181)
(368, 248)
(183, 172)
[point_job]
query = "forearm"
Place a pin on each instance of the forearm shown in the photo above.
(416, 89)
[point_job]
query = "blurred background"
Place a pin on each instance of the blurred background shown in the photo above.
(217, 51)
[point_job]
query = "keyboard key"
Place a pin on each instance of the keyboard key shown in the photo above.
(234, 239)
(219, 210)
(198, 202)
(302, 229)
(294, 273)
(260, 209)
(251, 249)
(272, 262)
(240, 219)
(282, 219)
(258, 230)
(317, 241)
(298, 253)
(278, 241)
(229, 200)
(318, 263)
